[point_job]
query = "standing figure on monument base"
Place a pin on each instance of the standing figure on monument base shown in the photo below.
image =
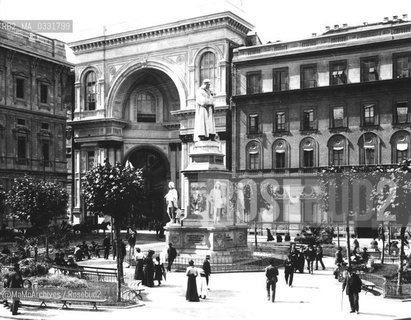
(171, 200)
(217, 201)
(204, 124)
(240, 205)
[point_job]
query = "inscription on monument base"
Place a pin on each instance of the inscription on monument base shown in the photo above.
(196, 240)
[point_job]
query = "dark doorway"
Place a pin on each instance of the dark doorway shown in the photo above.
(155, 172)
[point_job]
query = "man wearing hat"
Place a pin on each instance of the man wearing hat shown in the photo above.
(204, 124)
(171, 255)
(352, 283)
(207, 268)
(14, 281)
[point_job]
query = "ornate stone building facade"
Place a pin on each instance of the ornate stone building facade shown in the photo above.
(338, 99)
(35, 93)
(135, 95)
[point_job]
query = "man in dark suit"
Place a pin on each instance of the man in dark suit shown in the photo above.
(207, 268)
(15, 281)
(352, 283)
(106, 245)
(171, 255)
(271, 273)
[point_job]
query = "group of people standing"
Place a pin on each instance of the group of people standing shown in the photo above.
(198, 289)
(309, 254)
(149, 269)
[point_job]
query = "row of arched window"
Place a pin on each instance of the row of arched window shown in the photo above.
(145, 101)
(339, 147)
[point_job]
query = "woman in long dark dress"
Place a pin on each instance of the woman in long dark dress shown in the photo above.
(192, 293)
(138, 274)
(269, 235)
(148, 270)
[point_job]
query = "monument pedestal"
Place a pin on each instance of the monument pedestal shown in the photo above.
(225, 244)
(209, 227)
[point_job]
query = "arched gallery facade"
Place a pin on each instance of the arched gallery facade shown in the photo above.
(135, 98)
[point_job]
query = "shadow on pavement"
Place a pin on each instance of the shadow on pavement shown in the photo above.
(380, 315)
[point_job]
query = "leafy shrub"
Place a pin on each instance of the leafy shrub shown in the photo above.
(31, 268)
(9, 260)
(62, 281)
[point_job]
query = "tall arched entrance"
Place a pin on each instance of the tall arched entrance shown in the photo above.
(156, 172)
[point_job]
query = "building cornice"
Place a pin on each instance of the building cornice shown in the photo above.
(164, 31)
(97, 122)
(39, 46)
(325, 43)
(14, 110)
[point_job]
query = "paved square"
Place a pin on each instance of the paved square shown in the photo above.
(240, 296)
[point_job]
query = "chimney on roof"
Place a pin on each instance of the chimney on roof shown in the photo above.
(336, 26)
(395, 18)
(313, 35)
(405, 16)
(345, 25)
(327, 28)
(386, 19)
(365, 23)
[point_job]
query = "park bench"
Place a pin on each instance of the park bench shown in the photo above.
(368, 286)
(66, 301)
(90, 273)
(134, 290)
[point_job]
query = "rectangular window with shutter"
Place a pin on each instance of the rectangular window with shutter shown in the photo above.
(338, 72)
(401, 113)
(369, 69)
(44, 92)
(254, 158)
(254, 82)
(21, 148)
(280, 121)
(308, 120)
(338, 157)
(369, 115)
(338, 117)
(280, 79)
(402, 65)
(308, 74)
(20, 88)
(280, 160)
(308, 158)
(253, 124)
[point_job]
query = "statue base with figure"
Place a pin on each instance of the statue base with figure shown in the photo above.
(225, 244)
(210, 225)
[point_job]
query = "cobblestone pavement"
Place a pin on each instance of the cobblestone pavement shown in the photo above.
(239, 296)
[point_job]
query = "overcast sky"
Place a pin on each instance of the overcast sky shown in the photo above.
(273, 19)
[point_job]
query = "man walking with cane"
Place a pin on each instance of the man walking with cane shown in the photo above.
(352, 283)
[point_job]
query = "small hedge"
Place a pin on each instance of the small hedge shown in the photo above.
(60, 281)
